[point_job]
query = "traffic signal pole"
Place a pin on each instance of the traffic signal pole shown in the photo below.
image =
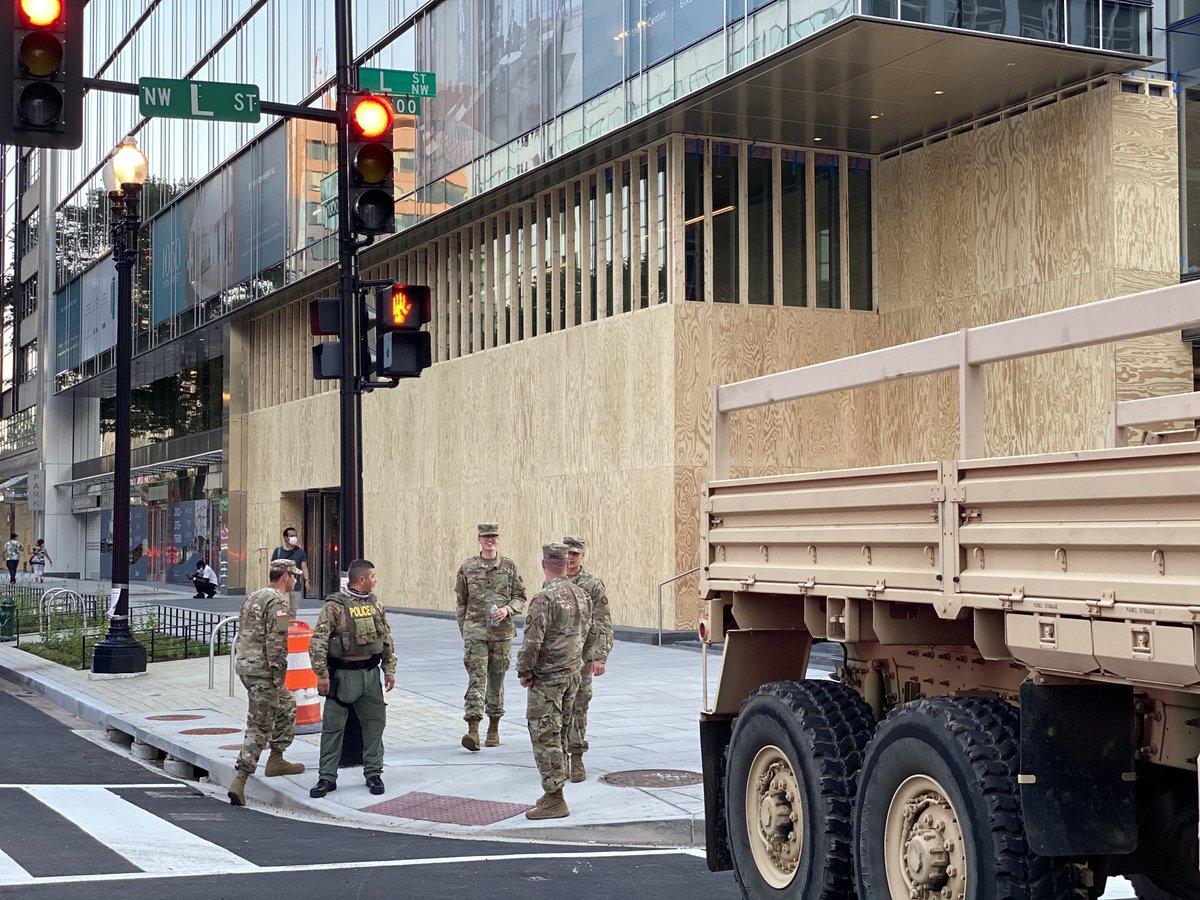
(350, 506)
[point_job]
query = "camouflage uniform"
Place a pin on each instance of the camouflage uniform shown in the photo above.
(551, 655)
(596, 647)
(487, 648)
(351, 641)
(262, 657)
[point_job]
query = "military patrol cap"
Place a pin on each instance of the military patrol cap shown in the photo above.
(554, 550)
(284, 565)
(488, 528)
(575, 544)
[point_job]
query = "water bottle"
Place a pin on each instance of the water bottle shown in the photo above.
(495, 614)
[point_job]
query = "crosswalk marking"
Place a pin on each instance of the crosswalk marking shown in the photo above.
(10, 872)
(154, 845)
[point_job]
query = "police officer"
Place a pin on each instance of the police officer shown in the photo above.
(548, 665)
(350, 643)
(489, 592)
(596, 647)
(262, 665)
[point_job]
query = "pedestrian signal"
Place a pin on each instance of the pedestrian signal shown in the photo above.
(372, 167)
(41, 64)
(402, 349)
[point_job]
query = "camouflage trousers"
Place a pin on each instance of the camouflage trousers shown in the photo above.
(486, 662)
(575, 725)
(549, 698)
(270, 721)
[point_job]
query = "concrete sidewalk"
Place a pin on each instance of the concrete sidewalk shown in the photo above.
(643, 717)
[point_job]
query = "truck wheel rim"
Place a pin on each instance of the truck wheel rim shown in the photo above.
(924, 852)
(774, 816)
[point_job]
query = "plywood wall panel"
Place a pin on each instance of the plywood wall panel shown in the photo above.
(1004, 208)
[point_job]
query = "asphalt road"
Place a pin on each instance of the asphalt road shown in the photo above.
(82, 821)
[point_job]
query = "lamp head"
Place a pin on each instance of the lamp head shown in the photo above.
(127, 165)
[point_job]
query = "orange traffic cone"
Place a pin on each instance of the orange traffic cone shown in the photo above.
(301, 680)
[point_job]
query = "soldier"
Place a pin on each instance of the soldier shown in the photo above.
(548, 666)
(596, 647)
(262, 656)
(489, 593)
(352, 639)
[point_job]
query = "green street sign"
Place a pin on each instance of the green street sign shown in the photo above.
(406, 106)
(398, 81)
(216, 100)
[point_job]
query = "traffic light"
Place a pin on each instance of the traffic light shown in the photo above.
(41, 69)
(402, 349)
(371, 177)
(323, 319)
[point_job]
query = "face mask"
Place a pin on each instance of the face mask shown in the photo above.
(293, 540)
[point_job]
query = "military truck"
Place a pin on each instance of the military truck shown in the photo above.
(1018, 711)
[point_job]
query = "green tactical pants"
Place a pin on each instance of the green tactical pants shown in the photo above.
(360, 688)
(575, 726)
(270, 720)
(485, 662)
(549, 697)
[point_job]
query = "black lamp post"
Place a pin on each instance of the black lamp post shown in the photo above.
(120, 653)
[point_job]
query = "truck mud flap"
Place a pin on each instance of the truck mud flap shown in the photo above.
(1077, 760)
(714, 750)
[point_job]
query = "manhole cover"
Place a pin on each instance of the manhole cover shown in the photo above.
(176, 717)
(210, 731)
(446, 809)
(652, 778)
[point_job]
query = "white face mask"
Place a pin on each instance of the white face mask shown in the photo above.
(293, 540)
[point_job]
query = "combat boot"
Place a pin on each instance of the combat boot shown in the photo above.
(551, 805)
(470, 740)
(493, 735)
(578, 772)
(237, 790)
(277, 765)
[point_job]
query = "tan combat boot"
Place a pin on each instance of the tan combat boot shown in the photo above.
(578, 772)
(470, 740)
(493, 735)
(277, 765)
(237, 790)
(549, 806)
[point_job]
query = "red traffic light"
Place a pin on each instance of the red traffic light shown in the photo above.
(41, 12)
(372, 116)
(403, 306)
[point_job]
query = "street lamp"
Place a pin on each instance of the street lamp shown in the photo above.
(120, 653)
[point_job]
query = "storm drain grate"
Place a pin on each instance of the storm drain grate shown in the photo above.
(447, 810)
(174, 717)
(210, 730)
(652, 778)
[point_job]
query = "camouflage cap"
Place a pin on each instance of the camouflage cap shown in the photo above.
(488, 528)
(284, 565)
(575, 544)
(554, 550)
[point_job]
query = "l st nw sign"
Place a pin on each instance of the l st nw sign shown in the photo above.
(216, 100)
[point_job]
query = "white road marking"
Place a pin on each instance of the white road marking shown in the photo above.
(152, 844)
(365, 864)
(107, 787)
(10, 872)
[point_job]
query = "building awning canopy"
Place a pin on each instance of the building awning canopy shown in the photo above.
(14, 488)
(161, 468)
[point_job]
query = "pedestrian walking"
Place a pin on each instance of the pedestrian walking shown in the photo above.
(548, 665)
(38, 557)
(489, 592)
(12, 556)
(204, 579)
(596, 647)
(262, 661)
(291, 549)
(351, 642)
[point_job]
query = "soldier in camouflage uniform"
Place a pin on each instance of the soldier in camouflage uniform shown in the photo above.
(262, 656)
(483, 582)
(596, 647)
(350, 643)
(548, 666)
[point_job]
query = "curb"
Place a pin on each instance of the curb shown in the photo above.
(283, 795)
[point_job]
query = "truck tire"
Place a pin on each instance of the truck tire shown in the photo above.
(795, 751)
(939, 811)
(1148, 890)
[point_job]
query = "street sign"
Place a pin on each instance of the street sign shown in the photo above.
(35, 490)
(406, 106)
(398, 81)
(216, 100)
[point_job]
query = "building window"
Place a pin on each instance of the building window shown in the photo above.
(760, 224)
(28, 363)
(793, 201)
(29, 170)
(693, 220)
(828, 227)
(725, 219)
(28, 231)
(28, 303)
(858, 199)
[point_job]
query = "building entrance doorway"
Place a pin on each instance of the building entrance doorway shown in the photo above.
(322, 533)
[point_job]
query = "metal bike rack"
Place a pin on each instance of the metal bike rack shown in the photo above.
(663, 584)
(212, 653)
